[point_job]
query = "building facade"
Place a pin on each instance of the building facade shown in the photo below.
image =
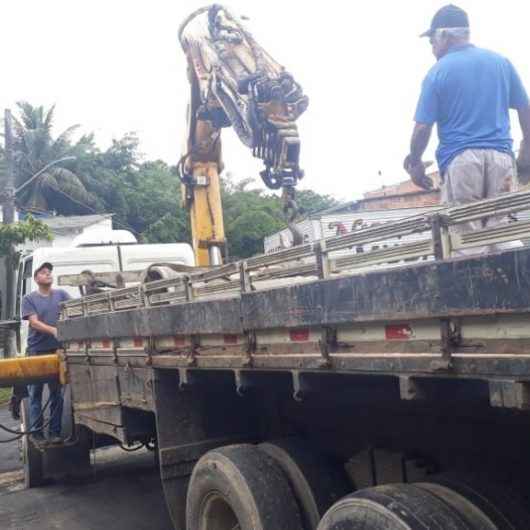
(386, 204)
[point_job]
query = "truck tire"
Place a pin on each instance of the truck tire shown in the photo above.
(476, 518)
(392, 507)
(32, 457)
(502, 506)
(240, 488)
(317, 482)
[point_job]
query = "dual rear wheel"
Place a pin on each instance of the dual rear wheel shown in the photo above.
(275, 486)
(447, 503)
(285, 485)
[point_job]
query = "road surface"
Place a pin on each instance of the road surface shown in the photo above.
(124, 494)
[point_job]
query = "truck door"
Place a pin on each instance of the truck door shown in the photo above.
(24, 286)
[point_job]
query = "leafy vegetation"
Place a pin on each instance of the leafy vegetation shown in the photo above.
(5, 394)
(144, 196)
(37, 151)
(12, 235)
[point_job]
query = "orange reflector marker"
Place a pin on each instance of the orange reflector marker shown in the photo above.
(230, 338)
(299, 335)
(398, 332)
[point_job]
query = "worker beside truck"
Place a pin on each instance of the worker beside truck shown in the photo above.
(41, 308)
(468, 93)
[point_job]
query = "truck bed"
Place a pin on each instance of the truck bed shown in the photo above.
(409, 312)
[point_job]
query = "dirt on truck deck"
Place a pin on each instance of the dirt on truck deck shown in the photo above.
(124, 494)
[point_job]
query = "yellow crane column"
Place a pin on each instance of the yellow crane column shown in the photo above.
(206, 215)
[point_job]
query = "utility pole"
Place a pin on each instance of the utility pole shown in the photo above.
(8, 206)
(8, 217)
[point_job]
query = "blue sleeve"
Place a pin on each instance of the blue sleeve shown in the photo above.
(518, 95)
(428, 104)
(28, 307)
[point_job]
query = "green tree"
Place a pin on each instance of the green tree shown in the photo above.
(17, 234)
(246, 232)
(250, 214)
(310, 202)
(144, 195)
(59, 187)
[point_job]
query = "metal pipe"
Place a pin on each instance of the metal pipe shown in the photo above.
(31, 369)
(216, 257)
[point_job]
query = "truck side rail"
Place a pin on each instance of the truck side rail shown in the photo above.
(424, 237)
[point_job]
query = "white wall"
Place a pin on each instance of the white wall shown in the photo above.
(64, 237)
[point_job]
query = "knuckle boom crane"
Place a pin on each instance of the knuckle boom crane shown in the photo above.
(234, 83)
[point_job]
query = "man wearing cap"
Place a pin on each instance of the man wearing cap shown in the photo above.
(41, 308)
(468, 94)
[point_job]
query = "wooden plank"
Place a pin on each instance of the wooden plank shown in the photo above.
(483, 285)
(213, 316)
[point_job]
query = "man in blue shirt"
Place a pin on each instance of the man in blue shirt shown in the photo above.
(468, 94)
(41, 308)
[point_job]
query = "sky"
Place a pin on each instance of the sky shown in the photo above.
(115, 66)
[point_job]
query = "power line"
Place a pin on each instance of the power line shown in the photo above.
(93, 210)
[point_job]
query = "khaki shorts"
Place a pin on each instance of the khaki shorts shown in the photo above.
(478, 174)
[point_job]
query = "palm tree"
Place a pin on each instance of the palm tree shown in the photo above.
(58, 187)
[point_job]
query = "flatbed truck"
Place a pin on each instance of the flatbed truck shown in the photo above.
(310, 388)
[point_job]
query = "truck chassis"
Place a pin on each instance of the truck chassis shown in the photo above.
(391, 372)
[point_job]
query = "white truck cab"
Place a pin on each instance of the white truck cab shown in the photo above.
(111, 251)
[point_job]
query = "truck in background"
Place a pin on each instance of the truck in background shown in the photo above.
(103, 251)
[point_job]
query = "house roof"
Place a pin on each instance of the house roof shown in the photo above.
(73, 222)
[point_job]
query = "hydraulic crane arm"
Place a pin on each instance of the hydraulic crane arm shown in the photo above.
(234, 83)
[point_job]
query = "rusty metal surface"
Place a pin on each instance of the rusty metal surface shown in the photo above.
(215, 316)
(476, 286)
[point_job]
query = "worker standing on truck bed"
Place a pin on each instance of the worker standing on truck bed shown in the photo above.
(468, 94)
(41, 308)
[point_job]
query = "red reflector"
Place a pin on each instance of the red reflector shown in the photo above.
(230, 339)
(299, 335)
(398, 332)
(105, 343)
(138, 342)
(179, 341)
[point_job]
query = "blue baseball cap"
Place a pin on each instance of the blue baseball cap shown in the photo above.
(449, 16)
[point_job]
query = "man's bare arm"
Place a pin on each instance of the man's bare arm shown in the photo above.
(523, 160)
(524, 120)
(36, 324)
(419, 141)
(413, 163)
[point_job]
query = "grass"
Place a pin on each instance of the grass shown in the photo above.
(5, 394)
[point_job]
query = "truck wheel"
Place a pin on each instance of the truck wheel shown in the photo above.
(240, 488)
(475, 518)
(392, 507)
(32, 457)
(502, 506)
(317, 482)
